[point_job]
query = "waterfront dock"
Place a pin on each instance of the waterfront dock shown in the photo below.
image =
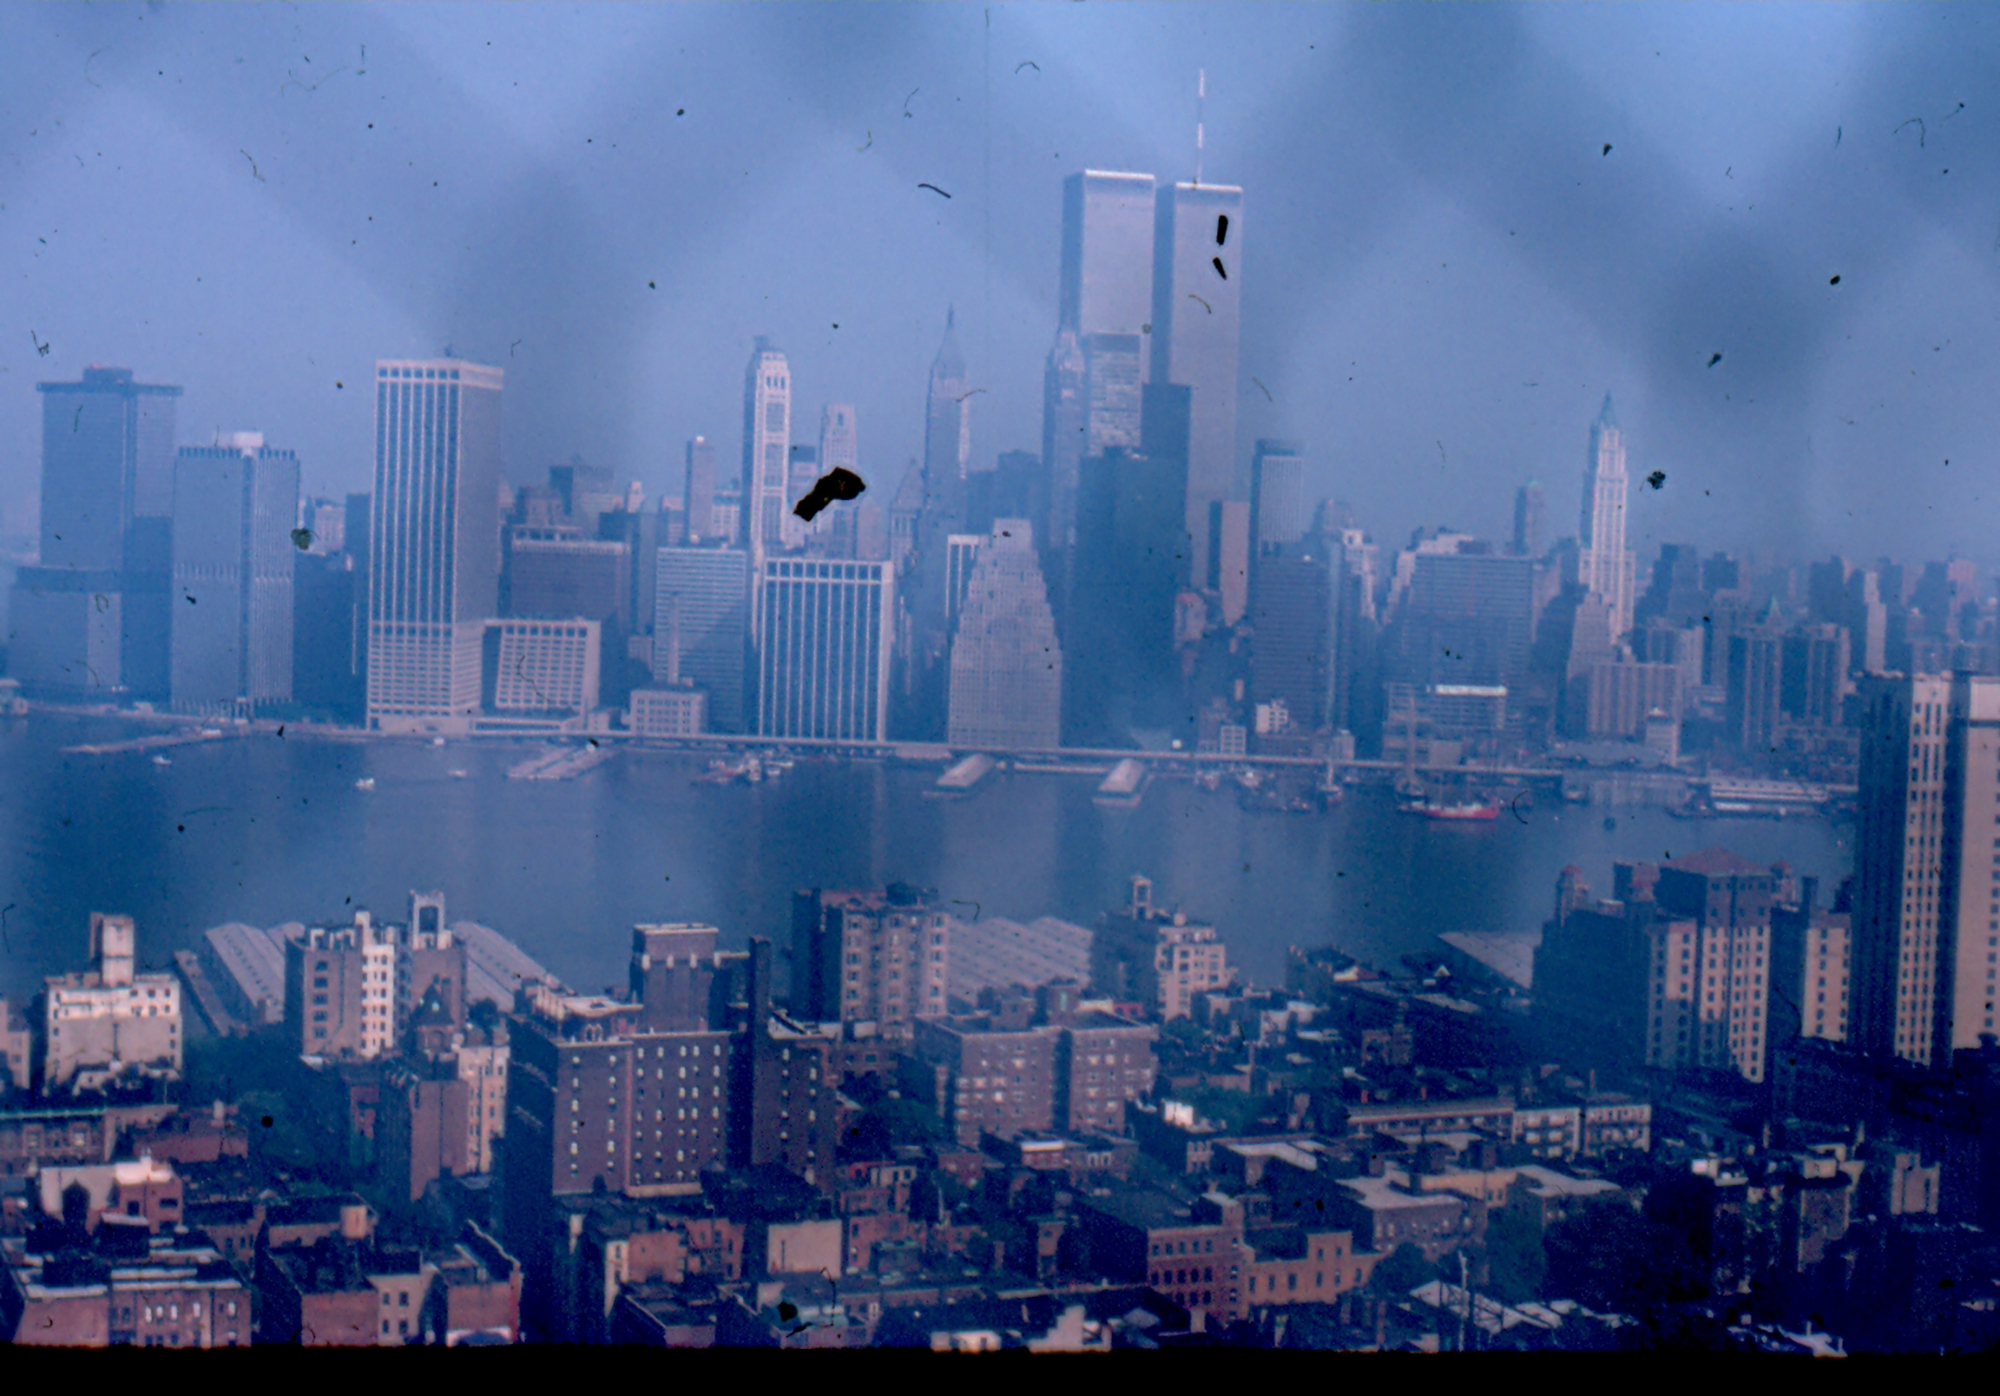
(963, 777)
(1121, 789)
(561, 763)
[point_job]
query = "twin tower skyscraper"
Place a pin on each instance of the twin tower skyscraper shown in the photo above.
(1151, 292)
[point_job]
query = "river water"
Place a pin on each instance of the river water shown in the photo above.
(267, 829)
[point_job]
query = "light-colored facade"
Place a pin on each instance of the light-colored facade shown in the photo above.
(1278, 494)
(698, 494)
(1006, 664)
(1605, 566)
(1113, 379)
(1197, 315)
(1157, 958)
(340, 989)
(110, 1023)
(1927, 889)
(767, 437)
(483, 1068)
(1107, 252)
(960, 557)
(1709, 976)
(877, 957)
(668, 712)
(546, 666)
(433, 556)
(824, 631)
(234, 506)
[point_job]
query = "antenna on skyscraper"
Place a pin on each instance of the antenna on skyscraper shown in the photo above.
(1200, 102)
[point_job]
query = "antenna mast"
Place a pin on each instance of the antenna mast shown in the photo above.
(1200, 101)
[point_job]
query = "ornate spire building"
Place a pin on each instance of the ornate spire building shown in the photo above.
(1604, 565)
(947, 414)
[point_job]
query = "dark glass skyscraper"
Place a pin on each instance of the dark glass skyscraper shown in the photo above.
(93, 615)
(234, 506)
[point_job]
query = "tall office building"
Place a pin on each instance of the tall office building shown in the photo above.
(1528, 513)
(1466, 617)
(234, 505)
(824, 634)
(1106, 288)
(835, 530)
(1131, 563)
(433, 554)
(1229, 556)
(1064, 441)
(1278, 510)
(1197, 300)
(1754, 678)
(698, 492)
(961, 556)
(92, 615)
(1107, 253)
(1006, 665)
(1113, 373)
(1927, 896)
(1604, 565)
(1292, 623)
(802, 471)
(701, 626)
(767, 438)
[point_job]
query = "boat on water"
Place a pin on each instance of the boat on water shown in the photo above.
(458, 775)
(365, 783)
(1462, 809)
(749, 770)
(161, 761)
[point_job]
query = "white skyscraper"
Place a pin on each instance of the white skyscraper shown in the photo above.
(434, 544)
(824, 634)
(1197, 302)
(1006, 667)
(1604, 566)
(1927, 896)
(767, 436)
(1107, 256)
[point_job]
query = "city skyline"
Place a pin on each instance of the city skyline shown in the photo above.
(998, 753)
(1700, 424)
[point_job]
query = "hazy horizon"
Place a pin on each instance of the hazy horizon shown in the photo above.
(1446, 268)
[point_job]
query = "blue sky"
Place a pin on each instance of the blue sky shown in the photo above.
(1443, 268)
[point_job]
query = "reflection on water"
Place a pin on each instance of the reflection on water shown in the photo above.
(267, 830)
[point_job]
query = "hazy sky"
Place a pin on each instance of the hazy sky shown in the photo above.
(1444, 267)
